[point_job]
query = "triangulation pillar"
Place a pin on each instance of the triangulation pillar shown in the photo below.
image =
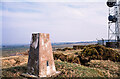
(41, 61)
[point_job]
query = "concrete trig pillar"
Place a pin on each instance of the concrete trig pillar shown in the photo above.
(41, 61)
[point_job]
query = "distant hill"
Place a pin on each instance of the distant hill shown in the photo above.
(62, 43)
(12, 49)
(56, 43)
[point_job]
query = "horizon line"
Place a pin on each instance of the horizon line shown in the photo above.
(51, 42)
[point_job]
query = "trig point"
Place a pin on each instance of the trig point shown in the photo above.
(41, 61)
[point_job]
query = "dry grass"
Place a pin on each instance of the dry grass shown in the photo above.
(67, 52)
(76, 70)
(13, 61)
(66, 62)
(97, 68)
(112, 68)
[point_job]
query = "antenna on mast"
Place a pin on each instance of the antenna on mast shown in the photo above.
(114, 23)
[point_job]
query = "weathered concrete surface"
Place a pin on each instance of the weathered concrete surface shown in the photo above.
(41, 61)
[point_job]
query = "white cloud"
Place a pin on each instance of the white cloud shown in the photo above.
(0, 25)
(64, 21)
(52, 0)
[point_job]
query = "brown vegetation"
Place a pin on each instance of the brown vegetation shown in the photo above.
(98, 61)
(98, 52)
(64, 49)
(90, 52)
(111, 67)
(23, 53)
(14, 61)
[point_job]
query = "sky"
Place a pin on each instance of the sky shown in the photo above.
(65, 21)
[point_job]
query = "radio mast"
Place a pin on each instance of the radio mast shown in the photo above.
(114, 23)
(114, 20)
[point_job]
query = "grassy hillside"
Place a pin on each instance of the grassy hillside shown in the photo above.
(91, 61)
(14, 66)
